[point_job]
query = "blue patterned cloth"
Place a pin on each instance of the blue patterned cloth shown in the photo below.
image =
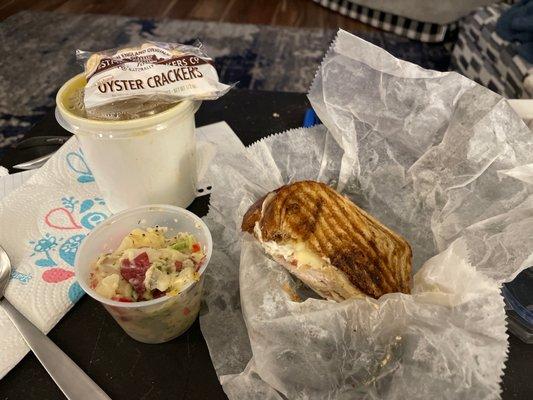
(516, 25)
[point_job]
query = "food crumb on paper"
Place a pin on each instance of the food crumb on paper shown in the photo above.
(290, 291)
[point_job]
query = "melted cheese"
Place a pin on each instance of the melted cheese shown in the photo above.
(304, 256)
(317, 272)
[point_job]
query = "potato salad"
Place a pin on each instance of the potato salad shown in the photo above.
(148, 265)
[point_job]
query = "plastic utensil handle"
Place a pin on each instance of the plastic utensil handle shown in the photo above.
(309, 118)
(73, 382)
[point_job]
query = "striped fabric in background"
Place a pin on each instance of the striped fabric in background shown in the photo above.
(417, 30)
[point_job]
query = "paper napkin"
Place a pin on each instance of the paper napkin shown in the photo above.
(42, 224)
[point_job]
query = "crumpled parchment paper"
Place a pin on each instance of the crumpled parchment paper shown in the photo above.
(436, 157)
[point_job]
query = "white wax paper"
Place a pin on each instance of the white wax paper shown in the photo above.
(436, 157)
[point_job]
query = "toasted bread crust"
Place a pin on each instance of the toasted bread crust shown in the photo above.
(375, 259)
(252, 215)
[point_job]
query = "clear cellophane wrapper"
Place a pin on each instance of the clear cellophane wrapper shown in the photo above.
(140, 81)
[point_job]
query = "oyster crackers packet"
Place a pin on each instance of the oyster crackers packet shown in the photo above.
(152, 72)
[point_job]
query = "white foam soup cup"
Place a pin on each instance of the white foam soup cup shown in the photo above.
(158, 320)
(148, 160)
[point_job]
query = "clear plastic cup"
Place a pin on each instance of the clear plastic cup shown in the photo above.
(149, 160)
(152, 321)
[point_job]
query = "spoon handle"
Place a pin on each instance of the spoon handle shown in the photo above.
(72, 381)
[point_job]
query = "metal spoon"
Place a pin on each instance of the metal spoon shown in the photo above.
(72, 381)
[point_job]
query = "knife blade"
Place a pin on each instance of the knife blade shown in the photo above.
(41, 141)
(35, 163)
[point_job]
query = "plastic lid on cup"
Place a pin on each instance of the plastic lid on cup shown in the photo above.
(73, 122)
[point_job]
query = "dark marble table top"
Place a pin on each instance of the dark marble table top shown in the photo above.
(180, 369)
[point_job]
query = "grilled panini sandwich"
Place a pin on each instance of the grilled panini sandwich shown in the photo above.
(329, 243)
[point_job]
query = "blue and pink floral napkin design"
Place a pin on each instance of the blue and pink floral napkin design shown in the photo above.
(67, 221)
(42, 225)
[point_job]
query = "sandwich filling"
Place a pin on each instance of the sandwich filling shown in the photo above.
(316, 272)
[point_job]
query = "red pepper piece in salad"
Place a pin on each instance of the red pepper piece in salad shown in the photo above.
(142, 260)
(199, 264)
(156, 293)
(136, 272)
(122, 299)
(149, 265)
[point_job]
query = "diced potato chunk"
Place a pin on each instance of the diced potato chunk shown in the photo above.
(108, 286)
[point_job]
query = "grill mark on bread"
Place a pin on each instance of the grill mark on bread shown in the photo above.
(344, 255)
(374, 223)
(346, 259)
(321, 240)
(375, 259)
(363, 246)
(308, 226)
(369, 254)
(252, 215)
(398, 242)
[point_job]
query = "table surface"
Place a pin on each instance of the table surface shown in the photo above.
(180, 369)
